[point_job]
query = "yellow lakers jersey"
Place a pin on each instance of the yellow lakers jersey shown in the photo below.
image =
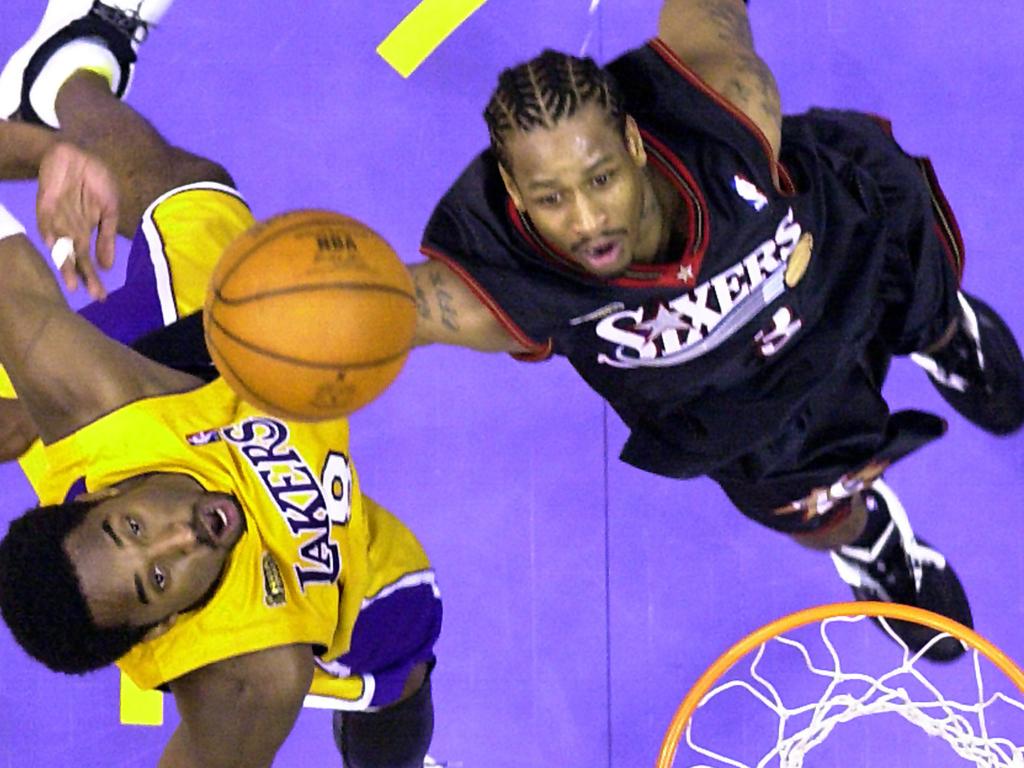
(181, 235)
(314, 550)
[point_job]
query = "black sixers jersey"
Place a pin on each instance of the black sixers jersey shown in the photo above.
(711, 355)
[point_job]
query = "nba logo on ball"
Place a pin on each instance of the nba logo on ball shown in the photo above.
(309, 315)
(333, 246)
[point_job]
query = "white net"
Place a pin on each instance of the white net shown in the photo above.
(970, 705)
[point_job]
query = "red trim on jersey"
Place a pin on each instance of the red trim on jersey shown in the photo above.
(946, 226)
(535, 351)
(785, 184)
(662, 274)
(884, 123)
(534, 240)
(697, 214)
(945, 222)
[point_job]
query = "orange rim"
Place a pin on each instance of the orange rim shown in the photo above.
(720, 666)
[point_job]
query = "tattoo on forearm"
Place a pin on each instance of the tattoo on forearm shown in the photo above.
(422, 305)
(449, 315)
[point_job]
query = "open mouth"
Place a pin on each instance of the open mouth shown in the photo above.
(601, 254)
(219, 520)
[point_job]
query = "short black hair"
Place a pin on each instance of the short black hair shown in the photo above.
(41, 598)
(545, 90)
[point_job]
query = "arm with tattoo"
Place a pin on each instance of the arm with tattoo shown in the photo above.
(713, 38)
(450, 313)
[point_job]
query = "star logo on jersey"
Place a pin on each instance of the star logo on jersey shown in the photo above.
(746, 189)
(664, 320)
(701, 318)
(685, 273)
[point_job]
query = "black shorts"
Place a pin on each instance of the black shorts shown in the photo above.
(838, 443)
(845, 435)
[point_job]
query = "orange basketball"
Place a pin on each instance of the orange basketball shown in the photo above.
(309, 315)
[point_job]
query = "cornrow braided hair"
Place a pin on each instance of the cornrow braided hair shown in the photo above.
(545, 90)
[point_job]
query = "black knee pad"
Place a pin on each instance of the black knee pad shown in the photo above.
(395, 737)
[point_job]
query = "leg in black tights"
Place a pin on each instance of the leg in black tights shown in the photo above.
(394, 737)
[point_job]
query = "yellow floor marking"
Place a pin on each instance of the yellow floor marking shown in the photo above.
(425, 28)
(139, 707)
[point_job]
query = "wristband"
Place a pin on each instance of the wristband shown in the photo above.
(8, 224)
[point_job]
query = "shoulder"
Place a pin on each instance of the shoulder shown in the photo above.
(473, 216)
(478, 188)
(285, 670)
(692, 110)
(239, 711)
(663, 92)
(715, 41)
(157, 428)
(273, 678)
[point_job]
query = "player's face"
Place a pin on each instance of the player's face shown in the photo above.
(581, 183)
(153, 547)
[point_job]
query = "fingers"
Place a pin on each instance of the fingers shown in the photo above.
(64, 254)
(86, 269)
(77, 194)
(65, 231)
(106, 236)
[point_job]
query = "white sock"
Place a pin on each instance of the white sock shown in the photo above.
(84, 53)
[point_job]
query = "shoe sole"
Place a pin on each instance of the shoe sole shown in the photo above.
(58, 14)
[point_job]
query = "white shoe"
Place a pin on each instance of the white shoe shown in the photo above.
(73, 35)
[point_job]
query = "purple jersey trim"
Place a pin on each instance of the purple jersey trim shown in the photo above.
(393, 634)
(134, 309)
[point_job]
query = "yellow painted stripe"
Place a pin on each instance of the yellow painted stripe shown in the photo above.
(425, 28)
(139, 707)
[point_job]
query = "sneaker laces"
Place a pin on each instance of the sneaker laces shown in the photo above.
(127, 21)
(960, 363)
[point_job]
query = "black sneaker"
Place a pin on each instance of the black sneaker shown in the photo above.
(980, 372)
(900, 568)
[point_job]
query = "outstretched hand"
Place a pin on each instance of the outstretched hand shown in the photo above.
(77, 194)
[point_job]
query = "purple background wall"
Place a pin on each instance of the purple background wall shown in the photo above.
(583, 597)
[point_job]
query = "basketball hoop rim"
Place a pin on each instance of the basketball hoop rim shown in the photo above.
(797, 619)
